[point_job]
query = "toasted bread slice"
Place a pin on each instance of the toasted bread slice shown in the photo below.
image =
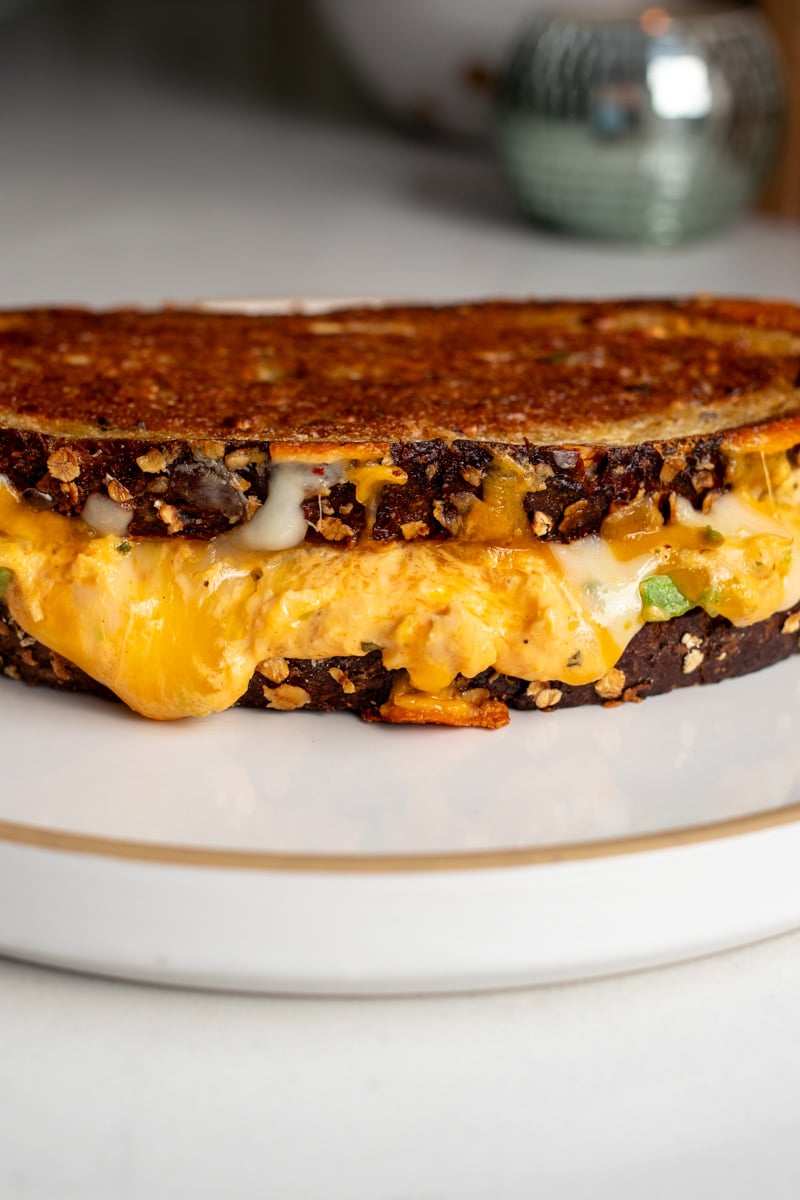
(423, 514)
(181, 417)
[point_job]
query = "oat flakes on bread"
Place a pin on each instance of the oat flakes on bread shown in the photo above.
(419, 513)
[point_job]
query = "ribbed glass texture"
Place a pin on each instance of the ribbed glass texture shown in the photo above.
(650, 129)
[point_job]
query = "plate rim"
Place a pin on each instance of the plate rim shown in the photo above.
(40, 837)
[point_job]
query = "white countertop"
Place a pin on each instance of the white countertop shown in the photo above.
(682, 1082)
(679, 1082)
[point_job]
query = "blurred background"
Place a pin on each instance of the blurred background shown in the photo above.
(175, 148)
(429, 64)
(170, 150)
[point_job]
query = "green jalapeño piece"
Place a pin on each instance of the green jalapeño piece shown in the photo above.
(662, 598)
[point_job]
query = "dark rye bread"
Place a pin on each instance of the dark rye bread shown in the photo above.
(688, 650)
(180, 416)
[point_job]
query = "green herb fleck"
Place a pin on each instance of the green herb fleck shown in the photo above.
(124, 548)
(712, 537)
(709, 599)
(5, 580)
(662, 598)
(369, 646)
(575, 659)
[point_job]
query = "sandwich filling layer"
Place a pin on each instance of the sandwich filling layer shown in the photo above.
(178, 627)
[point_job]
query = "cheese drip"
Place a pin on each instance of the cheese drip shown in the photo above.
(177, 627)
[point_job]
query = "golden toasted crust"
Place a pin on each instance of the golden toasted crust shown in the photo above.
(180, 417)
(572, 373)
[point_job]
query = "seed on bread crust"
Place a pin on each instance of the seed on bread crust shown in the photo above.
(344, 681)
(543, 695)
(542, 523)
(153, 462)
(274, 669)
(471, 475)
(244, 457)
(333, 529)
(64, 465)
(414, 529)
(612, 684)
(792, 623)
(692, 661)
(60, 667)
(169, 514)
(118, 493)
(286, 697)
(210, 449)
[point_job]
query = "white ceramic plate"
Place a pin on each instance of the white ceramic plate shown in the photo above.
(310, 852)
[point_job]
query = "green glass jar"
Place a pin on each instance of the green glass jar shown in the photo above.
(654, 128)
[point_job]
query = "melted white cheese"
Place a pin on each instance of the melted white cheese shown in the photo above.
(106, 516)
(608, 588)
(732, 515)
(280, 523)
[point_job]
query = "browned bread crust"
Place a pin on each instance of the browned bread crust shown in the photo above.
(685, 651)
(185, 412)
(551, 373)
(207, 497)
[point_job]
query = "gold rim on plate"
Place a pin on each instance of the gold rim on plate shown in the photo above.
(41, 838)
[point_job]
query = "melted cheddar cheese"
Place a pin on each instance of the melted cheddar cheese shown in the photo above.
(177, 627)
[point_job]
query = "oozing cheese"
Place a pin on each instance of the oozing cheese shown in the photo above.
(280, 522)
(177, 627)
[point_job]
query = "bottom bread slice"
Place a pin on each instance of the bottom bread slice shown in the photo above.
(685, 651)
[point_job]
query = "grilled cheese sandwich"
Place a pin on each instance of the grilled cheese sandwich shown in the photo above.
(448, 564)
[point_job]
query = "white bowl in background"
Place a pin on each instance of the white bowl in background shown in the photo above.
(429, 62)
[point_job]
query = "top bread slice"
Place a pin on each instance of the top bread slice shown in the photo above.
(187, 412)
